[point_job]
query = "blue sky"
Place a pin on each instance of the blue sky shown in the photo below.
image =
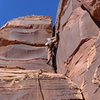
(10, 9)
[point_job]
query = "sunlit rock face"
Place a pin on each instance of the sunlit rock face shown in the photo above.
(78, 49)
(24, 72)
(22, 43)
(23, 63)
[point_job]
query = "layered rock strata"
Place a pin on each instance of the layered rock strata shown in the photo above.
(22, 43)
(36, 85)
(78, 49)
(23, 51)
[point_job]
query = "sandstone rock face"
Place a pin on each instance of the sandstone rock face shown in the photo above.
(78, 48)
(65, 10)
(23, 51)
(83, 69)
(75, 30)
(36, 85)
(93, 6)
(22, 43)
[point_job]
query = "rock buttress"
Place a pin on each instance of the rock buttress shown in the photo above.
(78, 48)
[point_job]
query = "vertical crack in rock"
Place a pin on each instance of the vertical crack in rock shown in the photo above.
(39, 83)
(54, 61)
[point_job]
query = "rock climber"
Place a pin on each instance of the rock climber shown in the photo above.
(51, 44)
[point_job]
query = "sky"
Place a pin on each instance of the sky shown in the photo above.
(10, 9)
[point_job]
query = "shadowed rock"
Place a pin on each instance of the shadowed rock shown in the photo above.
(93, 6)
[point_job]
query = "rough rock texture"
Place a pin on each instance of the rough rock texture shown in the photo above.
(36, 85)
(65, 10)
(73, 32)
(22, 51)
(83, 69)
(78, 49)
(22, 43)
(93, 6)
(30, 29)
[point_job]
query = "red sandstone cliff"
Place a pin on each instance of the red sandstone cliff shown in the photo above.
(24, 72)
(22, 43)
(22, 56)
(78, 54)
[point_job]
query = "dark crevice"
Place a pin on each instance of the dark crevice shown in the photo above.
(53, 34)
(54, 60)
(40, 87)
(54, 64)
(54, 56)
(95, 20)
